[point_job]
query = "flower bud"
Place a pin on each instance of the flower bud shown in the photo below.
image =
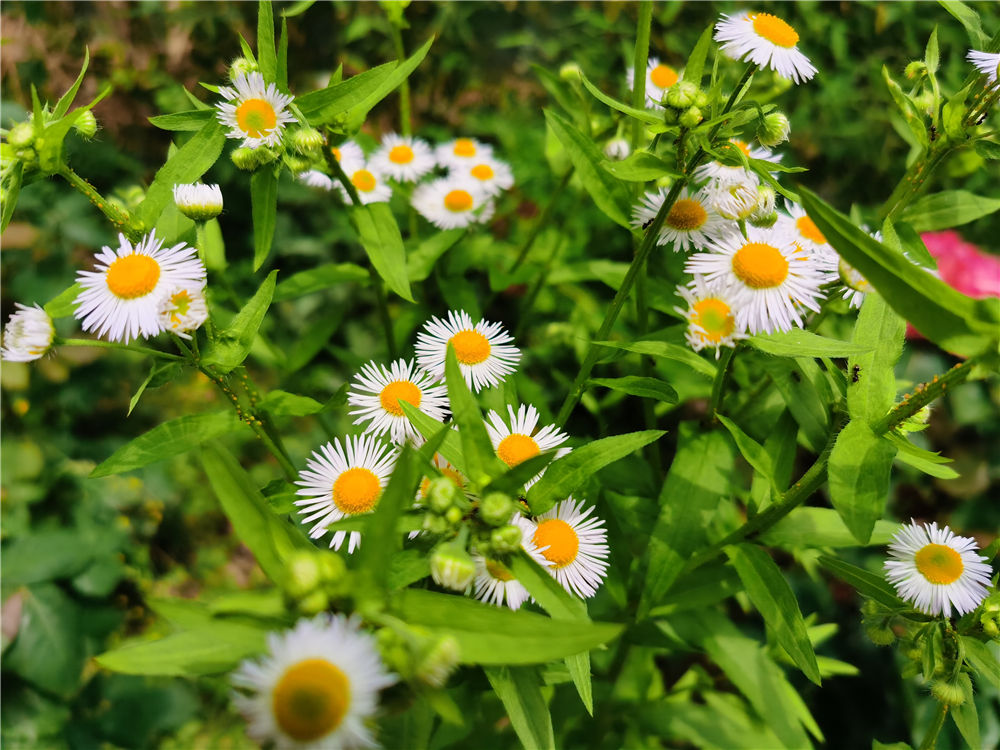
(297, 164)
(990, 626)
(306, 139)
(438, 662)
(442, 494)
(241, 66)
(28, 335)
(773, 129)
(690, 118)
(701, 99)
(245, 158)
(880, 633)
(915, 69)
(852, 277)
(435, 524)
(302, 574)
(505, 540)
(453, 515)
(682, 94)
(764, 213)
(331, 567)
(669, 116)
(918, 421)
(86, 124)
(313, 604)
(952, 692)
(617, 149)
(570, 72)
(197, 201)
(21, 135)
(394, 651)
(452, 567)
(496, 509)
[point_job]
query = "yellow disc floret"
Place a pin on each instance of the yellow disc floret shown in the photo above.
(774, 30)
(458, 201)
(401, 154)
(133, 276)
(363, 180)
(482, 172)
(396, 391)
(256, 117)
(311, 699)
(663, 76)
(356, 491)
(687, 214)
(516, 448)
(760, 266)
(498, 571)
(715, 318)
(939, 563)
(471, 347)
(560, 539)
(336, 152)
(808, 229)
(464, 147)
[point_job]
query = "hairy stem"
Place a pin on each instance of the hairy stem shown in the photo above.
(924, 394)
(121, 220)
(930, 739)
(114, 345)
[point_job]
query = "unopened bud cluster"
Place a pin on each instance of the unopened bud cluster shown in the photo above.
(313, 579)
(684, 103)
(416, 655)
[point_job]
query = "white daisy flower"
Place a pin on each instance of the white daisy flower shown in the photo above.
(767, 41)
(934, 569)
(316, 689)
(369, 183)
(348, 151)
(723, 173)
(659, 78)
(617, 149)
(516, 440)
(766, 275)
(452, 202)
(812, 241)
(711, 316)
(574, 543)
(403, 158)
(28, 334)
(987, 63)
(183, 310)
(690, 223)
(377, 391)
(733, 201)
(197, 201)
(343, 481)
(496, 585)
(315, 179)
(492, 175)
(254, 112)
(121, 299)
(483, 350)
(461, 151)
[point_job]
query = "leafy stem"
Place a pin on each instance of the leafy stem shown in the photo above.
(924, 394)
(930, 739)
(115, 345)
(404, 88)
(120, 219)
(718, 385)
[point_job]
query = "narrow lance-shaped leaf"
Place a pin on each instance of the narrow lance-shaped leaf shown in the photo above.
(66, 100)
(451, 447)
(383, 243)
(870, 584)
(357, 113)
(477, 449)
(381, 540)
(264, 203)
(633, 385)
(801, 343)
(267, 59)
(231, 346)
(751, 450)
(519, 689)
(321, 107)
(949, 208)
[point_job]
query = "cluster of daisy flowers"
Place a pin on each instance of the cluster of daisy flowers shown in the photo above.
(343, 479)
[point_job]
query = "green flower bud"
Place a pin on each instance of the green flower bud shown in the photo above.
(245, 158)
(773, 129)
(915, 69)
(438, 662)
(453, 515)
(331, 566)
(918, 421)
(701, 99)
(304, 140)
(241, 66)
(21, 135)
(952, 692)
(266, 154)
(669, 116)
(990, 626)
(298, 163)
(302, 574)
(452, 567)
(86, 124)
(393, 649)
(197, 201)
(570, 72)
(690, 118)
(442, 494)
(496, 509)
(315, 603)
(682, 94)
(435, 524)
(506, 539)
(852, 277)
(765, 201)
(880, 633)
(766, 221)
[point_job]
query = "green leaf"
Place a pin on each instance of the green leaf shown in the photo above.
(264, 201)
(67, 552)
(948, 318)
(323, 106)
(513, 480)
(63, 304)
(949, 208)
(194, 119)
(696, 61)
(231, 346)
(821, 527)
(913, 245)
(703, 587)
(932, 56)
(284, 404)
(984, 660)
(63, 105)
(51, 142)
(633, 385)
(519, 689)
(451, 448)
(665, 350)
(267, 59)
(911, 115)
(871, 389)
(924, 460)
(381, 539)
(12, 185)
(640, 114)
(319, 278)
(187, 165)
(492, 635)
(159, 374)
(481, 462)
(281, 76)
(559, 90)
(801, 343)
(608, 193)
(969, 19)
(859, 477)
(168, 439)
(699, 478)
(751, 450)
(966, 717)
(773, 598)
(270, 538)
(987, 149)
(640, 166)
(382, 241)
(420, 262)
(402, 70)
(869, 584)
(566, 474)
(803, 399)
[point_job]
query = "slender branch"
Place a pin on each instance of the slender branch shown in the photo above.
(924, 394)
(97, 343)
(718, 385)
(404, 88)
(639, 62)
(930, 739)
(121, 220)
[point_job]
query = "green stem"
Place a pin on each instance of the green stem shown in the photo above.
(542, 220)
(639, 62)
(114, 345)
(924, 394)
(930, 739)
(718, 385)
(121, 220)
(383, 312)
(404, 88)
(915, 178)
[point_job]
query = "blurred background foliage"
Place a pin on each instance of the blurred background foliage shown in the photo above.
(82, 556)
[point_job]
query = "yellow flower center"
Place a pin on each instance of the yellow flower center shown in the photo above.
(396, 391)
(741, 145)
(687, 214)
(939, 563)
(715, 319)
(336, 152)
(363, 180)
(663, 76)
(498, 571)
(482, 172)
(808, 229)
(356, 491)
(561, 540)
(760, 266)
(774, 30)
(516, 448)
(401, 154)
(311, 699)
(458, 201)
(464, 147)
(256, 117)
(133, 276)
(471, 347)
(181, 303)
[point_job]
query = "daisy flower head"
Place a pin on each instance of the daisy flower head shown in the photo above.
(317, 687)
(659, 78)
(711, 316)
(369, 183)
(516, 440)
(496, 585)
(198, 202)
(182, 310)
(377, 391)
(348, 151)
(121, 299)
(403, 158)
(734, 201)
(690, 222)
(315, 179)
(766, 275)
(483, 350)
(765, 40)
(935, 569)
(461, 151)
(723, 173)
(453, 202)
(574, 542)
(811, 240)
(492, 175)
(28, 335)
(341, 481)
(253, 111)
(987, 63)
